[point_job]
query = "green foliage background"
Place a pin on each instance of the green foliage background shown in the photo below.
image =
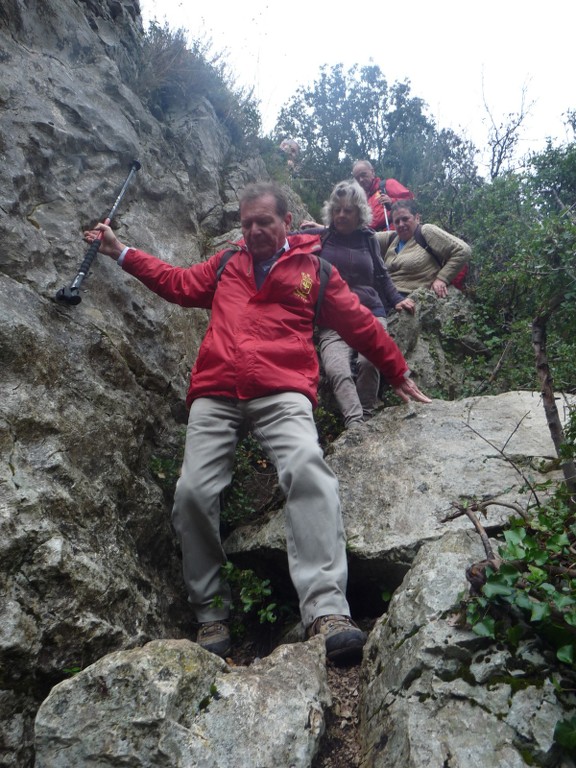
(520, 222)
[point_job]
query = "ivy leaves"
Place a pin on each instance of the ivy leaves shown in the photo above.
(537, 580)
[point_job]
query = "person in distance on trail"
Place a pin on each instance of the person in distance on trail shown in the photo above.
(350, 245)
(421, 256)
(257, 366)
(381, 194)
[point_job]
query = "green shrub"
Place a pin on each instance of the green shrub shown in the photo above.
(174, 73)
(254, 487)
(533, 591)
(255, 611)
(252, 593)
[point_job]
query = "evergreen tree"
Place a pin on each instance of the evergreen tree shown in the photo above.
(353, 115)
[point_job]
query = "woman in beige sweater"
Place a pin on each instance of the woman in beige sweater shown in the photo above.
(413, 261)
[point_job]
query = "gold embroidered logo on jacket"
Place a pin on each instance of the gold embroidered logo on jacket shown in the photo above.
(303, 290)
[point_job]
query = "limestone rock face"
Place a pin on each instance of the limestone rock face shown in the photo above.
(92, 395)
(400, 478)
(436, 339)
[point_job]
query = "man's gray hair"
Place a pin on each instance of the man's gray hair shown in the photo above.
(363, 162)
(347, 193)
(264, 189)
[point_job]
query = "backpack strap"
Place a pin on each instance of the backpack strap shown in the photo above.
(393, 242)
(324, 272)
(458, 281)
(423, 243)
(226, 256)
(377, 260)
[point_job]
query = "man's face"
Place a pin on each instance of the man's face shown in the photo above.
(263, 229)
(363, 175)
(405, 223)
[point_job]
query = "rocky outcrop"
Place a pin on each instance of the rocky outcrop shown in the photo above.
(433, 692)
(436, 340)
(436, 694)
(399, 482)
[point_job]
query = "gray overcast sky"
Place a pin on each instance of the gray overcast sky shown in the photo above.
(450, 50)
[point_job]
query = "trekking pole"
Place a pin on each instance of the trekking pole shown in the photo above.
(70, 294)
(383, 192)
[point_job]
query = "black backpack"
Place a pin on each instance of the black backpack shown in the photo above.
(324, 271)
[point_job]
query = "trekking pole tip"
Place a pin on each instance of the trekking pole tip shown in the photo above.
(68, 295)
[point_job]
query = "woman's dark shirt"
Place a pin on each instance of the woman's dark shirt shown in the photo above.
(351, 256)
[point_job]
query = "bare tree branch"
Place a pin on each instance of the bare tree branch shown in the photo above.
(507, 458)
(503, 137)
(485, 384)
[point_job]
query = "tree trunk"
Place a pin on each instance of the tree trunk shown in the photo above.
(552, 417)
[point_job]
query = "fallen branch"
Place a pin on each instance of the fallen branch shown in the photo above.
(485, 384)
(476, 573)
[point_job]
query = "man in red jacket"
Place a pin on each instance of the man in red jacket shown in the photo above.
(381, 194)
(257, 365)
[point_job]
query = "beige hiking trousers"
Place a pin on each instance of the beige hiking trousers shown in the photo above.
(284, 426)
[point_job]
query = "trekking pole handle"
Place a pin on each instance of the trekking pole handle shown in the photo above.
(70, 294)
(88, 259)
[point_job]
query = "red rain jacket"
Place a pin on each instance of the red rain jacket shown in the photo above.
(259, 341)
(395, 192)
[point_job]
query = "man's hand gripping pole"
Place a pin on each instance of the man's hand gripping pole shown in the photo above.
(70, 294)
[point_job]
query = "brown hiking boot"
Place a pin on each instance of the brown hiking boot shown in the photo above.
(344, 640)
(214, 636)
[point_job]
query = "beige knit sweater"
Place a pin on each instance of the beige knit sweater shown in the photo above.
(414, 267)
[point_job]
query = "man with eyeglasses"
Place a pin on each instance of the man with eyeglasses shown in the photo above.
(381, 194)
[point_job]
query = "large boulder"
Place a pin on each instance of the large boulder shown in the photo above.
(401, 480)
(171, 704)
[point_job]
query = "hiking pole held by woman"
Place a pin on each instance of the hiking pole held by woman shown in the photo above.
(70, 294)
